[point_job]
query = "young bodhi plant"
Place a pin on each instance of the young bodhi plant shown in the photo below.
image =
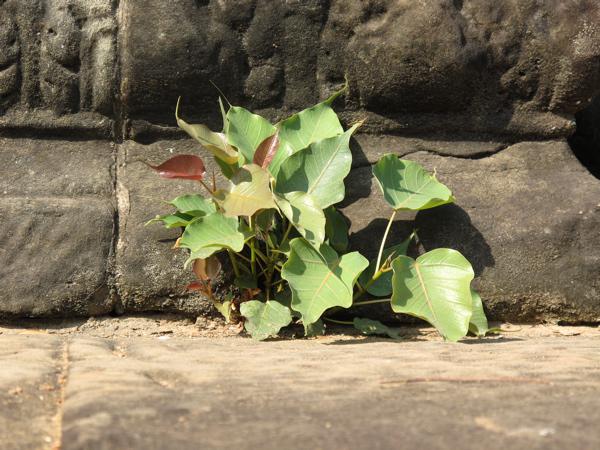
(288, 245)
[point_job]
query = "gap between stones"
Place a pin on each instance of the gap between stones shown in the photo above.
(62, 377)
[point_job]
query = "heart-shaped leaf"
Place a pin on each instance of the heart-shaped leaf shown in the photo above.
(266, 151)
(187, 167)
(407, 185)
(309, 126)
(319, 170)
(246, 131)
(208, 234)
(336, 229)
(265, 319)
(320, 280)
(250, 192)
(304, 128)
(478, 325)
(369, 327)
(194, 205)
(207, 269)
(306, 216)
(435, 288)
(382, 286)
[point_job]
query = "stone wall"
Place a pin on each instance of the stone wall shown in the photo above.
(485, 92)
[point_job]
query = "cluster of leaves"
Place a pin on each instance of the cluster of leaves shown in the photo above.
(288, 244)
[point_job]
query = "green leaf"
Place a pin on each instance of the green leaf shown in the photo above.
(173, 220)
(202, 253)
(228, 170)
(194, 205)
(208, 234)
(306, 127)
(224, 309)
(383, 285)
(264, 320)
(265, 220)
(478, 324)
(224, 116)
(320, 280)
(336, 229)
(436, 288)
(246, 281)
(309, 126)
(246, 131)
(306, 216)
(407, 185)
(319, 170)
(368, 326)
(216, 143)
(250, 192)
(314, 329)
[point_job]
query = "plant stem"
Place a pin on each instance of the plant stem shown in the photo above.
(372, 302)
(252, 249)
(261, 255)
(206, 187)
(341, 322)
(236, 269)
(286, 234)
(385, 235)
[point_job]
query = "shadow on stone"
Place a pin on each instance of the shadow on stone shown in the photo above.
(450, 226)
(585, 143)
(367, 240)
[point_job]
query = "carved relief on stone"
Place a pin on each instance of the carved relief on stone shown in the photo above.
(76, 55)
(57, 55)
(9, 60)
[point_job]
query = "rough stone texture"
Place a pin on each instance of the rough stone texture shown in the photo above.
(460, 79)
(512, 67)
(56, 213)
(57, 55)
(150, 274)
(334, 392)
(527, 218)
(31, 382)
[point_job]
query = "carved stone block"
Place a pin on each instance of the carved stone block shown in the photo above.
(56, 55)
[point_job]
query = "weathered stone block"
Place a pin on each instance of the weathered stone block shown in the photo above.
(35, 167)
(526, 217)
(514, 68)
(55, 256)
(57, 217)
(150, 274)
(59, 56)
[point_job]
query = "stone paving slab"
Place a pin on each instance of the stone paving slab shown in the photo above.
(31, 382)
(524, 390)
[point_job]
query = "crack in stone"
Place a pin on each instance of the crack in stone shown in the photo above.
(473, 156)
(62, 377)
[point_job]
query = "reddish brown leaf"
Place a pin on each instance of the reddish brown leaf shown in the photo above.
(188, 167)
(195, 286)
(207, 269)
(266, 151)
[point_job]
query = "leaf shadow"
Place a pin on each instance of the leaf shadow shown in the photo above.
(368, 239)
(451, 226)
